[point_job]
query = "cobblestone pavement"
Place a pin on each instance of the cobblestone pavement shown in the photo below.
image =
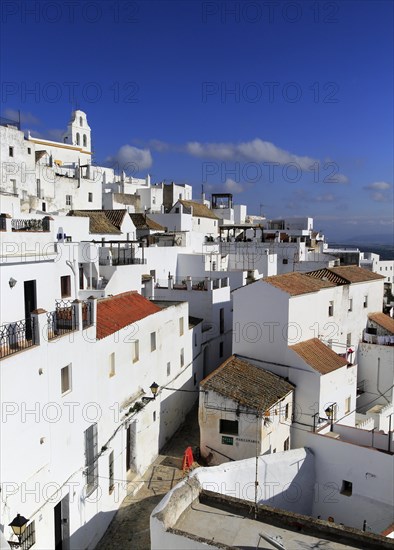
(129, 530)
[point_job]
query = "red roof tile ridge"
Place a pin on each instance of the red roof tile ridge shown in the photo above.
(219, 369)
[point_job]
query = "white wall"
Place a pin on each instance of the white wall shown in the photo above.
(285, 480)
(56, 447)
(376, 372)
(371, 473)
(258, 432)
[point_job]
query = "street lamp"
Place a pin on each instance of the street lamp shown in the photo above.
(153, 388)
(330, 415)
(18, 526)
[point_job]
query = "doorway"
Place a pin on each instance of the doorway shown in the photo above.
(30, 305)
(62, 524)
(131, 434)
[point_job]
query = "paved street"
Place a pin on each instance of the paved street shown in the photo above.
(130, 526)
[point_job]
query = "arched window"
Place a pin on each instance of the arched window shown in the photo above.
(85, 141)
(80, 121)
(77, 138)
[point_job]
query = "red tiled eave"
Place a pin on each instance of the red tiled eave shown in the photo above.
(119, 311)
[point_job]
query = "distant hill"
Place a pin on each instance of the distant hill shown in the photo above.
(380, 239)
(386, 252)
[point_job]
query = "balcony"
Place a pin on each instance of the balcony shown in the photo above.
(122, 261)
(41, 225)
(16, 336)
(369, 338)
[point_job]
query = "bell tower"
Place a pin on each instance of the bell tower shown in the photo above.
(78, 131)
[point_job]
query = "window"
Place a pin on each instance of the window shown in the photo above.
(229, 427)
(286, 444)
(29, 536)
(80, 121)
(221, 349)
(44, 207)
(350, 308)
(347, 488)
(154, 416)
(194, 378)
(91, 459)
(29, 150)
(153, 200)
(349, 339)
(285, 261)
(365, 303)
(136, 350)
(181, 323)
(195, 340)
(90, 197)
(112, 364)
(85, 141)
(11, 151)
(38, 188)
(65, 286)
(348, 402)
(221, 320)
(331, 309)
(168, 368)
(177, 210)
(14, 189)
(286, 411)
(152, 341)
(111, 484)
(198, 221)
(68, 200)
(65, 379)
(182, 357)
(78, 138)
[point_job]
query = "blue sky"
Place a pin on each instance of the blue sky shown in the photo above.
(285, 104)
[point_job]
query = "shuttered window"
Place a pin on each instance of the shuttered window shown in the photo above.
(91, 459)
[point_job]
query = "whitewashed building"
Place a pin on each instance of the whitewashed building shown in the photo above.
(85, 414)
(307, 327)
(244, 411)
(286, 500)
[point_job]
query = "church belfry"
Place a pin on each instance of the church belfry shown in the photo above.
(78, 131)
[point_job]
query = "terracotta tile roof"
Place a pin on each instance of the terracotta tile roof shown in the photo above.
(98, 221)
(382, 320)
(126, 198)
(346, 274)
(247, 384)
(119, 311)
(319, 356)
(199, 210)
(116, 217)
(296, 283)
(144, 222)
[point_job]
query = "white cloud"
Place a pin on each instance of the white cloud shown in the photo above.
(26, 118)
(232, 186)
(256, 150)
(131, 159)
(160, 146)
(378, 186)
(378, 197)
(327, 197)
(338, 178)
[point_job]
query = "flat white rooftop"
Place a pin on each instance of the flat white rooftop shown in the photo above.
(235, 530)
